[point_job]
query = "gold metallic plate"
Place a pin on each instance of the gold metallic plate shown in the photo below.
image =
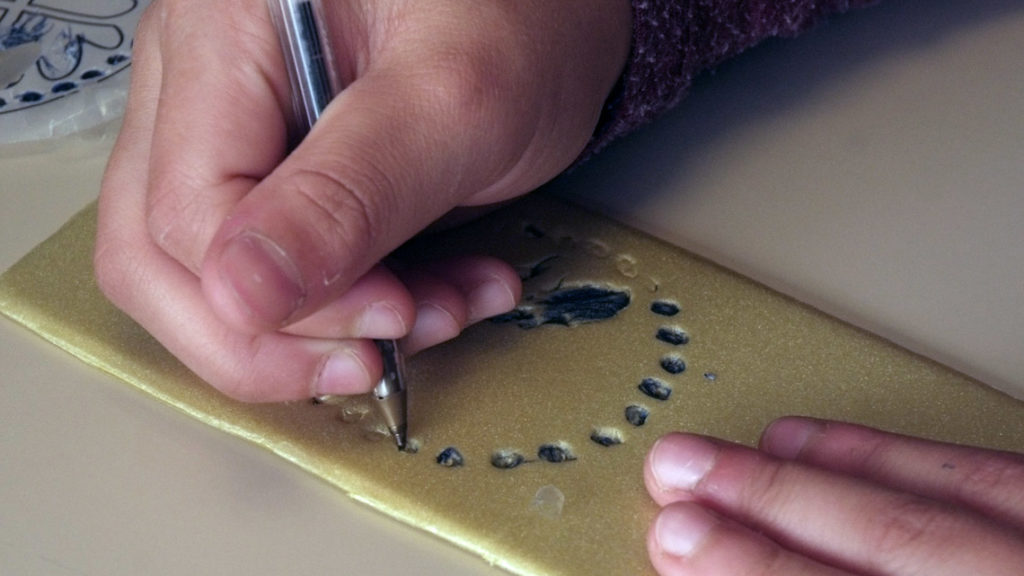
(690, 346)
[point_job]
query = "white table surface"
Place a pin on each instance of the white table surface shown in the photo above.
(873, 168)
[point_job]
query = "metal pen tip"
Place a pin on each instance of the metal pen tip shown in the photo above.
(401, 440)
(391, 395)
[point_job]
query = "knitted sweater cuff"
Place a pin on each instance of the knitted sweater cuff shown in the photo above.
(675, 40)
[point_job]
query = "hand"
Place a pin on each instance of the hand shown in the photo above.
(829, 498)
(259, 268)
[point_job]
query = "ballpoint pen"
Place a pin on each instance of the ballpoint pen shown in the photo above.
(314, 83)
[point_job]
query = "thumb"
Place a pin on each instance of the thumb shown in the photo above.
(451, 107)
(392, 153)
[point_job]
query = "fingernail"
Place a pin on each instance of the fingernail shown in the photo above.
(381, 320)
(680, 530)
(490, 298)
(787, 437)
(433, 326)
(263, 277)
(343, 373)
(680, 462)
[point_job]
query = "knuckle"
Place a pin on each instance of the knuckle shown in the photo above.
(238, 376)
(480, 105)
(344, 213)
(113, 270)
(874, 455)
(993, 478)
(240, 388)
(108, 277)
(904, 525)
(180, 224)
(475, 80)
(463, 80)
(769, 490)
(771, 560)
(164, 214)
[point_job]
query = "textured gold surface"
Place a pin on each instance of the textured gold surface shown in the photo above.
(502, 387)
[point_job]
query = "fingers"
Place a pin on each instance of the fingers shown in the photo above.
(985, 480)
(455, 293)
(426, 304)
(838, 520)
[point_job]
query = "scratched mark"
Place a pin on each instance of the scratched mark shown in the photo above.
(568, 307)
(556, 453)
(450, 457)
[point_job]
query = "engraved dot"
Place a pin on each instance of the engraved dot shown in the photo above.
(450, 457)
(664, 308)
(91, 74)
(710, 376)
(597, 248)
(329, 400)
(354, 412)
(556, 453)
(673, 364)
(563, 236)
(637, 415)
(507, 459)
(532, 230)
(655, 388)
(548, 501)
(626, 265)
(673, 336)
(606, 436)
(116, 59)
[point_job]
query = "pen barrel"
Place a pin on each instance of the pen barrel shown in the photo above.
(392, 381)
(307, 58)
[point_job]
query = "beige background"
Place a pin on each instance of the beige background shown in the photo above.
(872, 168)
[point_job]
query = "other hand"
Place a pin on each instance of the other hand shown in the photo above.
(830, 498)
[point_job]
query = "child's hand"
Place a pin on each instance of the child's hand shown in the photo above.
(259, 269)
(830, 498)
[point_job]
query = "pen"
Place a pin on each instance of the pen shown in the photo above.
(314, 83)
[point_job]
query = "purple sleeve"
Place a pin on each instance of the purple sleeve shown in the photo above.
(675, 40)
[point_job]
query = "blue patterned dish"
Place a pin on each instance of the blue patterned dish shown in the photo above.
(63, 64)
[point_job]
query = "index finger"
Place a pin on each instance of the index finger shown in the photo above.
(989, 481)
(221, 125)
(842, 520)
